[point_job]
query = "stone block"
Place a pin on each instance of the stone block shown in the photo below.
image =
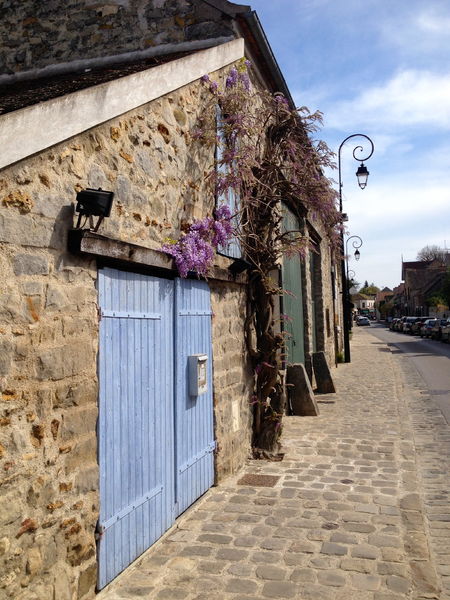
(333, 549)
(300, 393)
(85, 392)
(65, 361)
(324, 381)
(78, 422)
(34, 561)
(30, 264)
(6, 349)
(87, 479)
(241, 586)
(14, 229)
(279, 589)
(366, 582)
(11, 509)
(271, 572)
(86, 581)
(84, 452)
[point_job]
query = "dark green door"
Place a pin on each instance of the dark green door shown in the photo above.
(293, 298)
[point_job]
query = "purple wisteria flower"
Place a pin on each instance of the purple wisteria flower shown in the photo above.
(232, 78)
(195, 250)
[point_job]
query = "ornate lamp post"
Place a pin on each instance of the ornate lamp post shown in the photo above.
(362, 174)
(357, 243)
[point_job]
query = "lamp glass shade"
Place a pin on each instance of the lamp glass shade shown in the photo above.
(357, 254)
(362, 174)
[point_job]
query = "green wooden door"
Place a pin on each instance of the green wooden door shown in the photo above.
(293, 298)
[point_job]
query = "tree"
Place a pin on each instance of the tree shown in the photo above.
(267, 157)
(445, 291)
(432, 252)
(369, 290)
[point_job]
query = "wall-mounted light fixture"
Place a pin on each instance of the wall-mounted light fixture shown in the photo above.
(93, 203)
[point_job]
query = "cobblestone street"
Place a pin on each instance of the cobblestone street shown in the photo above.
(358, 508)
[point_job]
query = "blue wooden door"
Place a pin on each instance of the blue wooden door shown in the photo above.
(194, 439)
(155, 440)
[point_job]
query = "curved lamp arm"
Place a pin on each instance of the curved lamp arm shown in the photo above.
(362, 173)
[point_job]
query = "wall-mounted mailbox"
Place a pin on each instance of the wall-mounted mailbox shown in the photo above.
(198, 381)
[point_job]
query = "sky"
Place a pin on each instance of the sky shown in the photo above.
(379, 68)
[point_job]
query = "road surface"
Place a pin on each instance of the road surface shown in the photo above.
(430, 357)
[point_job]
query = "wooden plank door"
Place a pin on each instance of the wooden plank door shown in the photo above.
(293, 297)
(194, 431)
(155, 440)
(135, 429)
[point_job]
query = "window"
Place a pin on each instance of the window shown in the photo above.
(229, 197)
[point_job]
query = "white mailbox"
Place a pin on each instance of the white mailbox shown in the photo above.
(198, 380)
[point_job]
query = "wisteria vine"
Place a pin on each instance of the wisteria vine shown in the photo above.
(266, 156)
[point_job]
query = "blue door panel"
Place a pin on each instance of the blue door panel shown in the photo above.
(135, 416)
(155, 441)
(194, 415)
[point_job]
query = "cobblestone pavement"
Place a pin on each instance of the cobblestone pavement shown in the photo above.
(360, 509)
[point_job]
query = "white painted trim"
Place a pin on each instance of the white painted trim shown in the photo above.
(33, 129)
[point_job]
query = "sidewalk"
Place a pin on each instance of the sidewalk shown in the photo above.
(358, 509)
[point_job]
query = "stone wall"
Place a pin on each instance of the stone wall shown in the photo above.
(49, 332)
(232, 378)
(38, 34)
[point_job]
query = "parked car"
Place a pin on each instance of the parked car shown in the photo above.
(416, 326)
(393, 323)
(445, 332)
(399, 324)
(436, 330)
(408, 323)
(363, 321)
(425, 330)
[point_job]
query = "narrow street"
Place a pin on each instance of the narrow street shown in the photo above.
(430, 357)
(358, 508)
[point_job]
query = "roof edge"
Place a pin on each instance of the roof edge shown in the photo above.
(257, 37)
(33, 129)
(123, 58)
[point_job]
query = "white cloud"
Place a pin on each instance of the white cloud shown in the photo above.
(412, 98)
(418, 33)
(430, 22)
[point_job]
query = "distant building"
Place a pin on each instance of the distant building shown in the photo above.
(364, 304)
(383, 302)
(423, 279)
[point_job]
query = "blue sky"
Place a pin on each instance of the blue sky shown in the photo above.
(381, 68)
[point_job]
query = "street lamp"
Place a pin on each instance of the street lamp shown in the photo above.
(362, 174)
(357, 243)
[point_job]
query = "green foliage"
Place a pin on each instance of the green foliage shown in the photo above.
(442, 296)
(339, 357)
(369, 290)
(435, 300)
(386, 307)
(445, 291)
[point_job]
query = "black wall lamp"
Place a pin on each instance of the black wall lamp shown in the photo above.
(93, 203)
